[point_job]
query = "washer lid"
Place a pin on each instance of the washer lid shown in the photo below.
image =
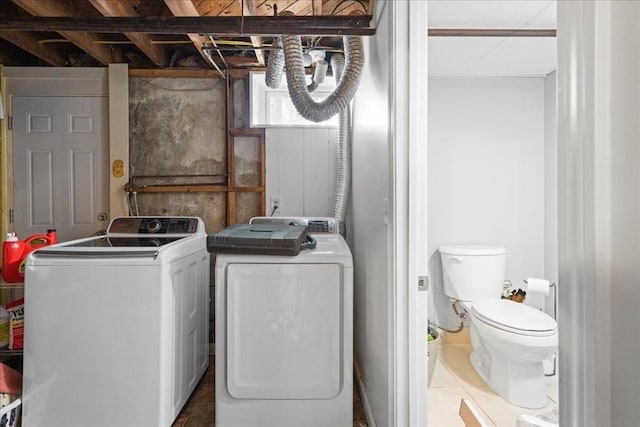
(514, 317)
(472, 250)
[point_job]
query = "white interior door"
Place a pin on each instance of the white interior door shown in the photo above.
(60, 165)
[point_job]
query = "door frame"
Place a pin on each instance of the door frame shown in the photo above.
(594, 261)
(409, 314)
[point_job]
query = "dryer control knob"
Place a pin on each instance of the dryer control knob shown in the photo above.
(154, 226)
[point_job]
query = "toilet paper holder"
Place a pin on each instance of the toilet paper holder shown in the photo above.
(553, 286)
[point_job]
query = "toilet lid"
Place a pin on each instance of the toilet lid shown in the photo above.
(514, 317)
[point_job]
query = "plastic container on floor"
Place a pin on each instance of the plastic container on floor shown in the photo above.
(550, 419)
(10, 414)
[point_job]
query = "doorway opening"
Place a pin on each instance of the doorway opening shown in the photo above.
(492, 177)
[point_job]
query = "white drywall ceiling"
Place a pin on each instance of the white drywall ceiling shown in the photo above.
(492, 56)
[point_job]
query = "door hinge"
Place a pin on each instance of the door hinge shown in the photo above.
(423, 283)
(10, 216)
(10, 122)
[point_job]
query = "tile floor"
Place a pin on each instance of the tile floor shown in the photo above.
(454, 378)
(199, 411)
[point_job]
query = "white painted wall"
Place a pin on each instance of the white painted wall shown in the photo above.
(486, 174)
(371, 236)
(301, 170)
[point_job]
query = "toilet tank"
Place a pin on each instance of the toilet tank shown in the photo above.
(471, 273)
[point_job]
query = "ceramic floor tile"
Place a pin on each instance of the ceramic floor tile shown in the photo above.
(498, 410)
(442, 377)
(456, 358)
(444, 404)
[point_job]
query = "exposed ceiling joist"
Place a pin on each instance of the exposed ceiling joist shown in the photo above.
(187, 9)
(232, 26)
(142, 41)
(83, 40)
(249, 8)
(316, 7)
(161, 33)
(31, 44)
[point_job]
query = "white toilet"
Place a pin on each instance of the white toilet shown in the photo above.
(510, 340)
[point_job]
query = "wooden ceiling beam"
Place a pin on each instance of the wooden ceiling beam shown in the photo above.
(45, 9)
(256, 41)
(186, 8)
(229, 26)
(31, 44)
(316, 7)
(218, 7)
(143, 41)
(346, 7)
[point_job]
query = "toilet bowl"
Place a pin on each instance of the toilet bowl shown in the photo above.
(510, 341)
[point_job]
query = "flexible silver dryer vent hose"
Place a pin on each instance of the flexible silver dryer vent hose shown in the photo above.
(339, 99)
(275, 65)
(343, 156)
(346, 70)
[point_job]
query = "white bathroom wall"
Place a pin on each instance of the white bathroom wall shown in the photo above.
(301, 170)
(486, 174)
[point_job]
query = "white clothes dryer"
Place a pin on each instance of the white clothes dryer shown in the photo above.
(284, 333)
(116, 326)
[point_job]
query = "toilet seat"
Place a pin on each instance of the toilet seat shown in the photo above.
(514, 317)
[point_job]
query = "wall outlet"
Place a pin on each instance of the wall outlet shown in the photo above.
(275, 204)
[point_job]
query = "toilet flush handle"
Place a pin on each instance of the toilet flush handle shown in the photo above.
(455, 259)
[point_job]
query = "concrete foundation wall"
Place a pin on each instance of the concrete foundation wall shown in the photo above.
(178, 136)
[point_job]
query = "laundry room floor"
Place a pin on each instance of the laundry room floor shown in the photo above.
(454, 379)
(199, 411)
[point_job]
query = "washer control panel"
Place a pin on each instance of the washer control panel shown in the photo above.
(153, 225)
(315, 225)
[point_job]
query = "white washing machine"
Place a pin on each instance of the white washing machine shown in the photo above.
(284, 334)
(116, 326)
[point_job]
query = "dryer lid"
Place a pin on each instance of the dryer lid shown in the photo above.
(510, 315)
